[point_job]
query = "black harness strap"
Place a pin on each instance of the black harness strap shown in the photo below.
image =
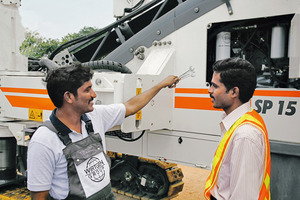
(88, 124)
(62, 130)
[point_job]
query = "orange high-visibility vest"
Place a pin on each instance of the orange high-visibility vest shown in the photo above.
(253, 118)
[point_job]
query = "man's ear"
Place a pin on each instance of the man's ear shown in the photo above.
(68, 97)
(235, 91)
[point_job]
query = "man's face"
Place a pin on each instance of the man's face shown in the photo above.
(217, 91)
(84, 99)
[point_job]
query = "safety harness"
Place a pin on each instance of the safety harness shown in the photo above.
(253, 118)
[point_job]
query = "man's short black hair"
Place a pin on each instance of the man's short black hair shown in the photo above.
(65, 79)
(237, 72)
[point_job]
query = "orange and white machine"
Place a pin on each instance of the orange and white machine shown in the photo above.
(181, 126)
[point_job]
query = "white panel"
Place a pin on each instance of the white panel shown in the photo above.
(156, 61)
(198, 121)
(294, 48)
(24, 81)
(157, 114)
(12, 35)
(117, 145)
(197, 150)
(281, 116)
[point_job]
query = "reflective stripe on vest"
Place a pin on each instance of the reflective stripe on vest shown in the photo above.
(253, 118)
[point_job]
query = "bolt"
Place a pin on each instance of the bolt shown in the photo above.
(131, 50)
(141, 49)
(128, 176)
(141, 56)
(158, 32)
(98, 81)
(180, 140)
(152, 102)
(196, 10)
(209, 25)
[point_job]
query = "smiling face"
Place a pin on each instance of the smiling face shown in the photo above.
(221, 98)
(84, 100)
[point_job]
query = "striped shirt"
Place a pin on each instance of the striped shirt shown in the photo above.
(242, 170)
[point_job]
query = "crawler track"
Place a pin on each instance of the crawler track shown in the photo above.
(143, 178)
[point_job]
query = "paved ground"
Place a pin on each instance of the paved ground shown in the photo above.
(194, 182)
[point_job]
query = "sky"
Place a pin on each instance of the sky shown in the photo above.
(56, 18)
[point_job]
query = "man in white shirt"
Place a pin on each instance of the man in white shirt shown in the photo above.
(242, 160)
(67, 159)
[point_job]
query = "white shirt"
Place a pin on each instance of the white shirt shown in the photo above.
(242, 170)
(46, 163)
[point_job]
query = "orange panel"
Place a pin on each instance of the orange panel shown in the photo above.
(202, 103)
(198, 103)
(273, 93)
(30, 102)
(277, 93)
(191, 90)
(24, 90)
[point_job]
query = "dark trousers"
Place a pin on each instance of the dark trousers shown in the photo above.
(212, 198)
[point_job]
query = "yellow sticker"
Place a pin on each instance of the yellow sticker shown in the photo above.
(138, 115)
(35, 114)
(138, 91)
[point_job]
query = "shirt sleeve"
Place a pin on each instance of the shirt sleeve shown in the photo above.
(247, 163)
(39, 171)
(111, 115)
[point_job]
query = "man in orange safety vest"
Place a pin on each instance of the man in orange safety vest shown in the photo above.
(241, 166)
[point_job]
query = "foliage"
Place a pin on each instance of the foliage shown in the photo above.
(36, 46)
(84, 31)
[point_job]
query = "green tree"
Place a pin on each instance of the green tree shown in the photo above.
(35, 46)
(84, 31)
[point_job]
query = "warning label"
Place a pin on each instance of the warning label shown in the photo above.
(138, 115)
(35, 115)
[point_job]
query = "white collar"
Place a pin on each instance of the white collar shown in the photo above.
(229, 120)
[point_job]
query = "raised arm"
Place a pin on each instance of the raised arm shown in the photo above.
(136, 103)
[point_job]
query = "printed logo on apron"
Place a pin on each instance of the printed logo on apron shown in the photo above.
(94, 174)
(95, 169)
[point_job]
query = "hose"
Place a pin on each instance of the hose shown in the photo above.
(48, 63)
(107, 65)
